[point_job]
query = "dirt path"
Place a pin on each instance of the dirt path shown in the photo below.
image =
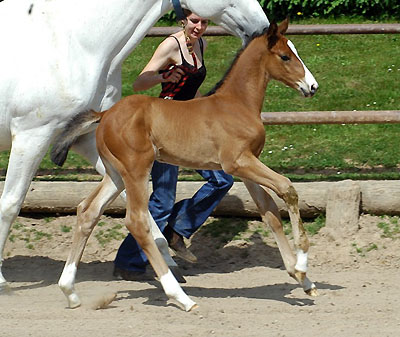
(240, 287)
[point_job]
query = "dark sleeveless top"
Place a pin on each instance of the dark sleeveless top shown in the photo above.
(189, 83)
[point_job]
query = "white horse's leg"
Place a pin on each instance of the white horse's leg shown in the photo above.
(86, 147)
(88, 214)
(28, 149)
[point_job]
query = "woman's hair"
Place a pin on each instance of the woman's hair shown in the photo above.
(187, 12)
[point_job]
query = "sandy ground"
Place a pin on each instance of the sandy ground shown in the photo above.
(241, 287)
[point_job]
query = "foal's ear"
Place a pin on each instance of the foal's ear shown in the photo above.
(272, 34)
(283, 26)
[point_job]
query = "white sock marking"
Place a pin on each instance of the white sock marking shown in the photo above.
(173, 290)
(302, 259)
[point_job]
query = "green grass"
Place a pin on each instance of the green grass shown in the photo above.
(30, 236)
(312, 227)
(390, 227)
(355, 72)
(65, 229)
(110, 234)
(227, 229)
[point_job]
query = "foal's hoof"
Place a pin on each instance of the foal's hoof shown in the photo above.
(189, 305)
(313, 292)
(194, 307)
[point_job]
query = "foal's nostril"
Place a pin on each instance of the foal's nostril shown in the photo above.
(313, 89)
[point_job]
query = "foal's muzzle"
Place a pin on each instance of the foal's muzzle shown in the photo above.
(309, 91)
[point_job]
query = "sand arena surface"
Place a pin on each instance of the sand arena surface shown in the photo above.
(241, 287)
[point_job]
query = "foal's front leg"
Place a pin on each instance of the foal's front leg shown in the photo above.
(251, 169)
(270, 215)
(86, 146)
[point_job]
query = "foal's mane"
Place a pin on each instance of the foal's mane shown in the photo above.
(238, 54)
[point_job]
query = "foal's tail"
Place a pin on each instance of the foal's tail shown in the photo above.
(80, 124)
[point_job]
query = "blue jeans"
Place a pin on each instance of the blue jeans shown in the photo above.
(184, 217)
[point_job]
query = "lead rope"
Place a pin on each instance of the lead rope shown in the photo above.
(178, 86)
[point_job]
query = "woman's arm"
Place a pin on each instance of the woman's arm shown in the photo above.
(165, 54)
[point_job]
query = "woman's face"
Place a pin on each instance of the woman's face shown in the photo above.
(195, 26)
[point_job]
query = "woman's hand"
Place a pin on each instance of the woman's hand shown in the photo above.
(173, 75)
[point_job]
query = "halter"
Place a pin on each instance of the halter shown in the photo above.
(178, 10)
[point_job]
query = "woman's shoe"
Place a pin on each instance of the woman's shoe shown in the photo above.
(129, 275)
(178, 246)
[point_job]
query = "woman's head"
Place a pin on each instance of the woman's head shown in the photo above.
(194, 25)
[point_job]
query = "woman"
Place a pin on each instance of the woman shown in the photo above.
(178, 65)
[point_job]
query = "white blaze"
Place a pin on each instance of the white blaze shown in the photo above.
(309, 81)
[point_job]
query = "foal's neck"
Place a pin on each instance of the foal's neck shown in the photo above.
(247, 80)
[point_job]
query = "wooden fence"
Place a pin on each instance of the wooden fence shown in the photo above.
(365, 28)
(331, 117)
(317, 117)
(379, 197)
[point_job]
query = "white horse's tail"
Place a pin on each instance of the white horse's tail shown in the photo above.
(80, 124)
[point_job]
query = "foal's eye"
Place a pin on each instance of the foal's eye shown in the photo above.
(285, 58)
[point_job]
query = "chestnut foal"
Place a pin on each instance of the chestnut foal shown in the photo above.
(222, 130)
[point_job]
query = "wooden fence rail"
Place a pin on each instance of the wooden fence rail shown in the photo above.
(364, 28)
(331, 117)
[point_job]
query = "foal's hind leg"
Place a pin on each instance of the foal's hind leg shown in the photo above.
(89, 212)
(137, 222)
(250, 168)
(86, 146)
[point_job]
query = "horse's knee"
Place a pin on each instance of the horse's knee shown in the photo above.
(85, 221)
(138, 227)
(9, 208)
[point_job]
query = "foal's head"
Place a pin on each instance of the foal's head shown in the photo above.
(285, 65)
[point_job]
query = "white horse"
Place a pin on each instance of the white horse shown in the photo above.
(61, 57)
